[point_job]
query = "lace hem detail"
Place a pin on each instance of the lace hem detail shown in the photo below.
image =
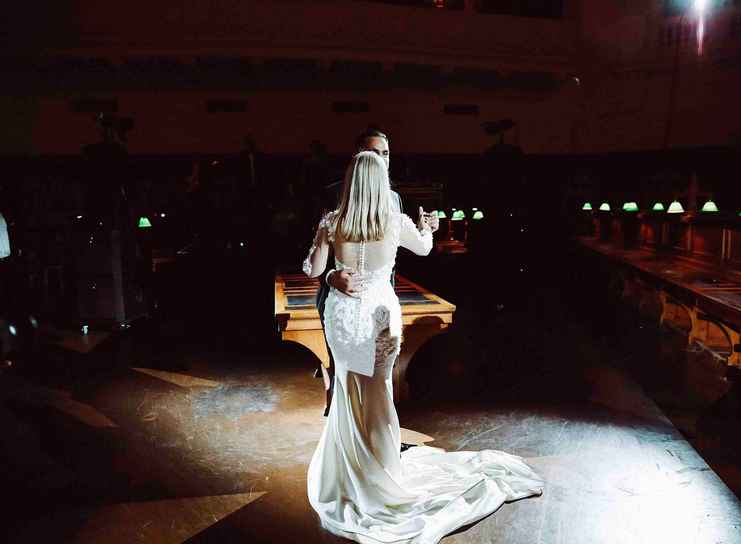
(386, 345)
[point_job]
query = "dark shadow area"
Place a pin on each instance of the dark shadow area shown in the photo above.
(219, 406)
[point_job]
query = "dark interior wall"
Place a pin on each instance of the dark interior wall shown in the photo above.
(647, 84)
(286, 121)
(637, 89)
(31, 27)
(394, 66)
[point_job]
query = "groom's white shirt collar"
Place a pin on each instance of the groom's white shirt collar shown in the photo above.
(4, 239)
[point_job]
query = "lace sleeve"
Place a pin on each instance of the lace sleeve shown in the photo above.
(329, 222)
(416, 241)
(316, 261)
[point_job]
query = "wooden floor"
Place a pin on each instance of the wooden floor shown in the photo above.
(213, 447)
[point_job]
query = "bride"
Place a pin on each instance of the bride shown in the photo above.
(358, 483)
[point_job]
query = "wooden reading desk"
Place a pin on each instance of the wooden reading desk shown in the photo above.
(704, 295)
(424, 315)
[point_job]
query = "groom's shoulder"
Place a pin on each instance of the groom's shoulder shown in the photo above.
(332, 193)
(397, 199)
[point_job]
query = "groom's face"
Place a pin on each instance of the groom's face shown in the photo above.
(380, 147)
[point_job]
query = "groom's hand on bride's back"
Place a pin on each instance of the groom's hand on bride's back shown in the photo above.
(345, 281)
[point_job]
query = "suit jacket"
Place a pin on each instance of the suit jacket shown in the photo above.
(323, 292)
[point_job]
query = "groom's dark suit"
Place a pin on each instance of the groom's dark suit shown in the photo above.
(333, 197)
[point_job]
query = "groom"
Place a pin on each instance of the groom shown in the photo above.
(342, 280)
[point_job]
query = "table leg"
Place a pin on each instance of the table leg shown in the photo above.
(314, 341)
(415, 336)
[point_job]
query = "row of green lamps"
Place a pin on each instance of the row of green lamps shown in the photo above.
(459, 215)
(145, 223)
(674, 207)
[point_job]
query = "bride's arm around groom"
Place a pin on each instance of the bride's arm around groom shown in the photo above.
(316, 261)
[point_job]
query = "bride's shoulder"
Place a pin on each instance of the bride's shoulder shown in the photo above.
(328, 218)
(396, 221)
(404, 218)
(394, 216)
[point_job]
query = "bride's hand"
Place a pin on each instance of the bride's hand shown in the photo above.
(433, 221)
(346, 281)
(425, 221)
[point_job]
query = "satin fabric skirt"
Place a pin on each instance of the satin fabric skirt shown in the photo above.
(363, 489)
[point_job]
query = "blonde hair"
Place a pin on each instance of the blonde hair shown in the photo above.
(365, 205)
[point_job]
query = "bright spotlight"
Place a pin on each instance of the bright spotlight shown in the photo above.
(700, 6)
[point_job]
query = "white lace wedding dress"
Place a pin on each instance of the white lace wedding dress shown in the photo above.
(359, 484)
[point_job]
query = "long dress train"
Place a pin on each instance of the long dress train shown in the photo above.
(359, 484)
